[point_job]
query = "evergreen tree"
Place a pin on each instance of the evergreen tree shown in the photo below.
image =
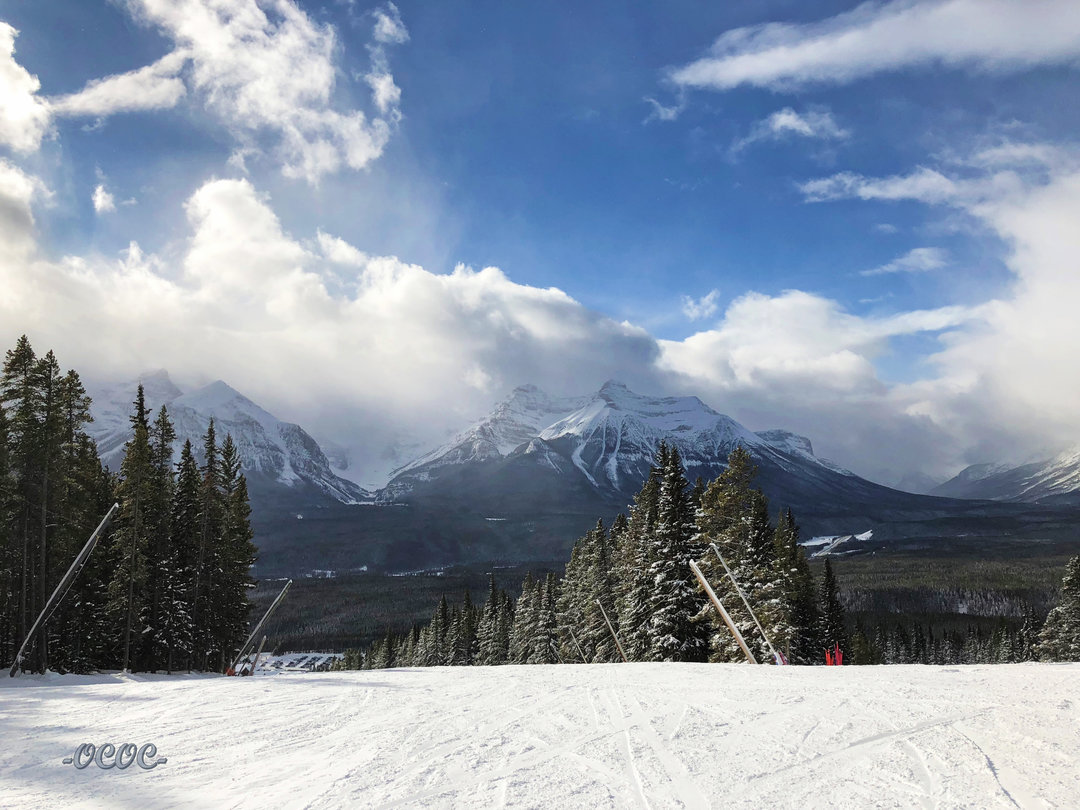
(674, 634)
(1060, 636)
(485, 630)
(805, 646)
(833, 625)
(236, 554)
(177, 631)
(545, 646)
(158, 514)
(523, 632)
(128, 587)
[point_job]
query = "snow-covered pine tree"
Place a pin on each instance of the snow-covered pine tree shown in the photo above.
(633, 600)
(158, 514)
(735, 517)
(572, 595)
(674, 634)
(485, 628)
(599, 588)
(833, 621)
(545, 645)
(1060, 636)
(178, 620)
(127, 589)
(504, 622)
(803, 613)
(523, 632)
(236, 554)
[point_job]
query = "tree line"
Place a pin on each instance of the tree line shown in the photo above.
(167, 586)
(633, 583)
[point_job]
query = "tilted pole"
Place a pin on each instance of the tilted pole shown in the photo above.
(613, 634)
(584, 660)
(62, 589)
(776, 656)
(258, 627)
(723, 613)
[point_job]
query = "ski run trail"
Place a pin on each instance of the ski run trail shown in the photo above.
(637, 736)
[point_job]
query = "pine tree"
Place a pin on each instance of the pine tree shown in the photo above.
(158, 514)
(178, 620)
(805, 647)
(633, 601)
(235, 555)
(674, 635)
(545, 645)
(833, 623)
(205, 609)
(1060, 636)
(523, 631)
(485, 631)
(127, 589)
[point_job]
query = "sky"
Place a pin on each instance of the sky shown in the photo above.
(854, 221)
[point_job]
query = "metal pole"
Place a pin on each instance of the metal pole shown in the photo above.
(613, 635)
(258, 627)
(572, 636)
(776, 656)
(62, 589)
(723, 613)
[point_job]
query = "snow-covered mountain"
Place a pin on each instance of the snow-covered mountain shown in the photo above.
(273, 453)
(1052, 480)
(610, 439)
(516, 420)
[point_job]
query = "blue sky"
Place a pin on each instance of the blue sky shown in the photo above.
(813, 215)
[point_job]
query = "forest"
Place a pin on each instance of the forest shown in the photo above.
(167, 586)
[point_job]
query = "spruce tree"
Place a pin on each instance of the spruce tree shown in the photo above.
(177, 631)
(833, 626)
(127, 589)
(674, 635)
(523, 631)
(1060, 636)
(804, 616)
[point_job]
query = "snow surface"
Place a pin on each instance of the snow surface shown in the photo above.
(641, 735)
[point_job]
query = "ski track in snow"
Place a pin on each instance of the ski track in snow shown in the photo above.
(642, 735)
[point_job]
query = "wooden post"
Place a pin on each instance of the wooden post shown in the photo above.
(613, 635)
(723, 613)
(776, 656)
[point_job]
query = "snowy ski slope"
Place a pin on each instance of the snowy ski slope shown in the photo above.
(642, 735)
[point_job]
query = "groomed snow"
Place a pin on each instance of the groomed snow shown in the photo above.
(643, 735)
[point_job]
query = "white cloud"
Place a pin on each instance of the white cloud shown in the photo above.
(664, 112)
(1009, 385)
(916, 260)
(18, 191)
(787, 123)
(703, 307)
(315, 327)
(798, 340)
(267, 72)
(389, 29)
(24, 116)
(926, 185)
(982, 35)
(153, 87)
(103, 200)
